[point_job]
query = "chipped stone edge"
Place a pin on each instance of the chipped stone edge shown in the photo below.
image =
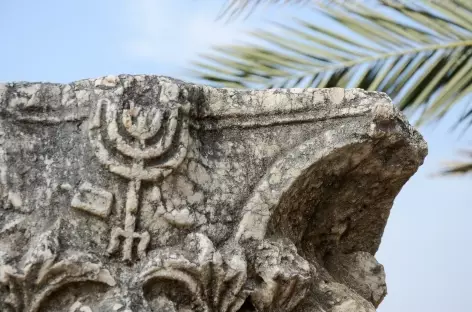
(214, 108)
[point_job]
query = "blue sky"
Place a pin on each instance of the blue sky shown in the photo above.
(426, 248)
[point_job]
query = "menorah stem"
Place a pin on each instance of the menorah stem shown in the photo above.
(132, 202)
(131, 209)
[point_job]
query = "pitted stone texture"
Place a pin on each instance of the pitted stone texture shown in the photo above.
(361, 272)
(146, 193)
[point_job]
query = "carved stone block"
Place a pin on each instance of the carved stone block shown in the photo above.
(92, 200)
(145, 193)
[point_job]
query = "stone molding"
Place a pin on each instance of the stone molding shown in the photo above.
(146, 193)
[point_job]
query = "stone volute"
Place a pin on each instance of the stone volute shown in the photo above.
(145, 193)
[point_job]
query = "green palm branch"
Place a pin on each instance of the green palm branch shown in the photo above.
(235, 8)
(419, 54)
(459, 167)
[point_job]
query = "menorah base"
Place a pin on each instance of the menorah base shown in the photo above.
(129, 237)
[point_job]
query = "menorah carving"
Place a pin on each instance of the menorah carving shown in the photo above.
(142, 126)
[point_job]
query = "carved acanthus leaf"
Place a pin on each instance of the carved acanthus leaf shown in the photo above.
(285, 276)
(216, 280)
(44, 272)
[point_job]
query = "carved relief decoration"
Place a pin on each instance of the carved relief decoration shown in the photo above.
(257, 189)
(139, 148)
(45, 271)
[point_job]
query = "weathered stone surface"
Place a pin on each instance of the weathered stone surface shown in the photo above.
(144, 193)
(361, 272)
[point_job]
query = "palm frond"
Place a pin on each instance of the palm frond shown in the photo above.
(235, 8)
(459, 167)
(420, 54)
